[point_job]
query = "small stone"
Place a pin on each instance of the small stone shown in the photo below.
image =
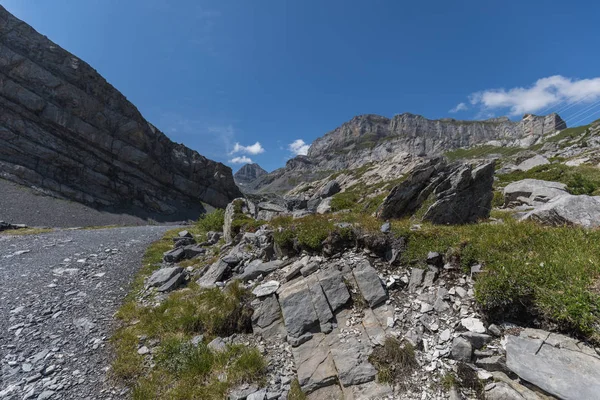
(495, 330)
(386, 227)
(266, 289)
(473, 325)
(143, 350)
(217, 344)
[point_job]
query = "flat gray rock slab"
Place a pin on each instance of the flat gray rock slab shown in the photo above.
(298, 312)
(314, 364)
(267, 312)
(173, 283)
(568, 209)
(258, 267)
(535, 190)
(320, 304)
(351, 356)
(162, 276)
(369, 283)
(213, 275)
(562, 372)
(335, 289)
(533, 162)
(266, 289)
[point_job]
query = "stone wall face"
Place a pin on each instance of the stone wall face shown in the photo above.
(65, 129)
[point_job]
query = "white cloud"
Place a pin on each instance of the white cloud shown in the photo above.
(543, 94)
(254, 149)
(299, 147)
(459, 107)
(241, 160)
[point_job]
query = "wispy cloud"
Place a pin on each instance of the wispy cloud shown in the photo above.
(459, 107)
(543, 94)
(253, 149)
(299, 147)
(241, 160)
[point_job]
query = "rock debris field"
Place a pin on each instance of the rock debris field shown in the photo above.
(58, 294)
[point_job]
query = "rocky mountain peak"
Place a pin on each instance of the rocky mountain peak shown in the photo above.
(249, 173)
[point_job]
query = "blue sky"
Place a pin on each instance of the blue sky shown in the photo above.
(212, 74)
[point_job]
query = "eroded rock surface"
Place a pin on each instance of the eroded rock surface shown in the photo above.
(64, 129)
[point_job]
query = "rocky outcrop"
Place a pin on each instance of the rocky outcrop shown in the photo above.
(373, 138)
(66, 130)
(453, 194)
(568, 210)
(248, 174)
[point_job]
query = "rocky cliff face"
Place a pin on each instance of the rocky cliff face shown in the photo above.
(248, 173)
(373, 138)
(64, 129)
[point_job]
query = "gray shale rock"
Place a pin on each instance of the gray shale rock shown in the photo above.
(568, 209)
(554, 363)
(91, 145)
(163, 275)
(460, 193)
(369, 283)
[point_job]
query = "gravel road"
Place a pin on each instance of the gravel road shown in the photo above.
(58, 294)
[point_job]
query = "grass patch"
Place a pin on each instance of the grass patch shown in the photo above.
(26, 231)
(529, 270)
(184, 371)
(213, 221)
(395, 361)
(296, 392)
(581, 179)
(481, 151)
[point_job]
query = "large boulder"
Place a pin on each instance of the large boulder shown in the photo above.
(458, 193)
(464, 197)
(532, 162)
(568, 209)
(533, 191)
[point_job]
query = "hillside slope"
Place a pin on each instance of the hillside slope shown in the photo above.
(65, 129)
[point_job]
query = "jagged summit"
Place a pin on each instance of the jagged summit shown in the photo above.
(66, 130)
(249, 173)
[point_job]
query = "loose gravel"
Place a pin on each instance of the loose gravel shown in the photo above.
(58, 294)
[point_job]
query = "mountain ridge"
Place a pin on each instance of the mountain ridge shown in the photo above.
(371, 138)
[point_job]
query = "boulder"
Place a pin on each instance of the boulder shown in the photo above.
(163, 275)
(458, 193)
(324, 206)
(464, 197)
(568, 209)
(462, 350)
(331, 188)
(214, 274)
(173, 283)
(555, 363)
(533, 191)
(173, 256)
(533, 162)
(271, 207)
(258, 267)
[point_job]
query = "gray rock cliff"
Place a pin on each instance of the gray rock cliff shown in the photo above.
(66, 130)
(373, 138)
